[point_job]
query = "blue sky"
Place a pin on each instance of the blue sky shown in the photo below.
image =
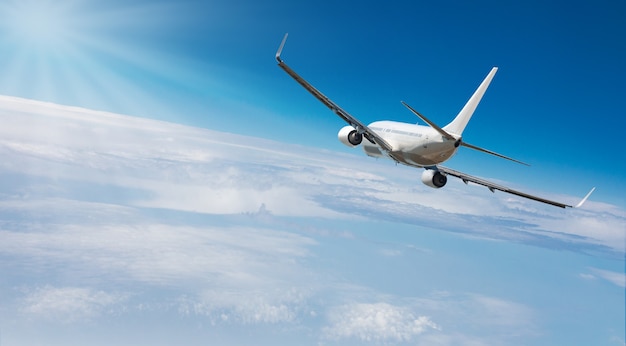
(555, 101)
(424, 261)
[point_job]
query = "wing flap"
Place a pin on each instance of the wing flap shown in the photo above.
(492, 187)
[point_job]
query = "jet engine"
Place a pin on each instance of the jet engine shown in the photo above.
(349, 136)
(434, 178)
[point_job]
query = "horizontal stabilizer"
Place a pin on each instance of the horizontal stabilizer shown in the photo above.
(492, 153)
(451, 137)
(445, 134)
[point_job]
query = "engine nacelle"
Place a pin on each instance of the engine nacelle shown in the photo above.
(349, 136)
(434, 178)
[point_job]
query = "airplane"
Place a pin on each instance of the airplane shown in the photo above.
(417, 145)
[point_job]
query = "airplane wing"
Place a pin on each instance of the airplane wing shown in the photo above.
(491, 186)
(352, 121)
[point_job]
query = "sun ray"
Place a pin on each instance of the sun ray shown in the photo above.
(87, 52)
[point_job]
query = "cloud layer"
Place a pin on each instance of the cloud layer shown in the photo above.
(376, 322)
(103, 215)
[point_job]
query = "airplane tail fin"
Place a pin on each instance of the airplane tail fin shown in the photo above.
(458, 124)
(454, 130)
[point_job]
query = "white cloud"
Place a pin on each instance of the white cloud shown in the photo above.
(586, 276)
(258, 305)
(615, 278)
(499, 312)
(233, 200)
(378, 322)
(235, 273)
(189, 169)
(169, 210)
(161, 254)
(477, 319)
(69, 304)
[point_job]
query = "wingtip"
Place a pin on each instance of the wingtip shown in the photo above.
(585, 198)
(280, 48)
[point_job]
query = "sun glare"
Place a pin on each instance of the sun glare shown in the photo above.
(85, 52)
(38, 24)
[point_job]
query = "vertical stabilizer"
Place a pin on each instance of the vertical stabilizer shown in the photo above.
(458, 124)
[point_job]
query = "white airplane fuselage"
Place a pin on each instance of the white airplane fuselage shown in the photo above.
(414, 145)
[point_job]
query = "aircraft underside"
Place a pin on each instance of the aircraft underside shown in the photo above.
(415, 157)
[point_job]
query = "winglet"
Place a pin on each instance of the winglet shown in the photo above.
(280, 49)
(584, 199)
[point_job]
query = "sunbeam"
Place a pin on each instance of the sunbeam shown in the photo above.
(86, 53)
(39, 25)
